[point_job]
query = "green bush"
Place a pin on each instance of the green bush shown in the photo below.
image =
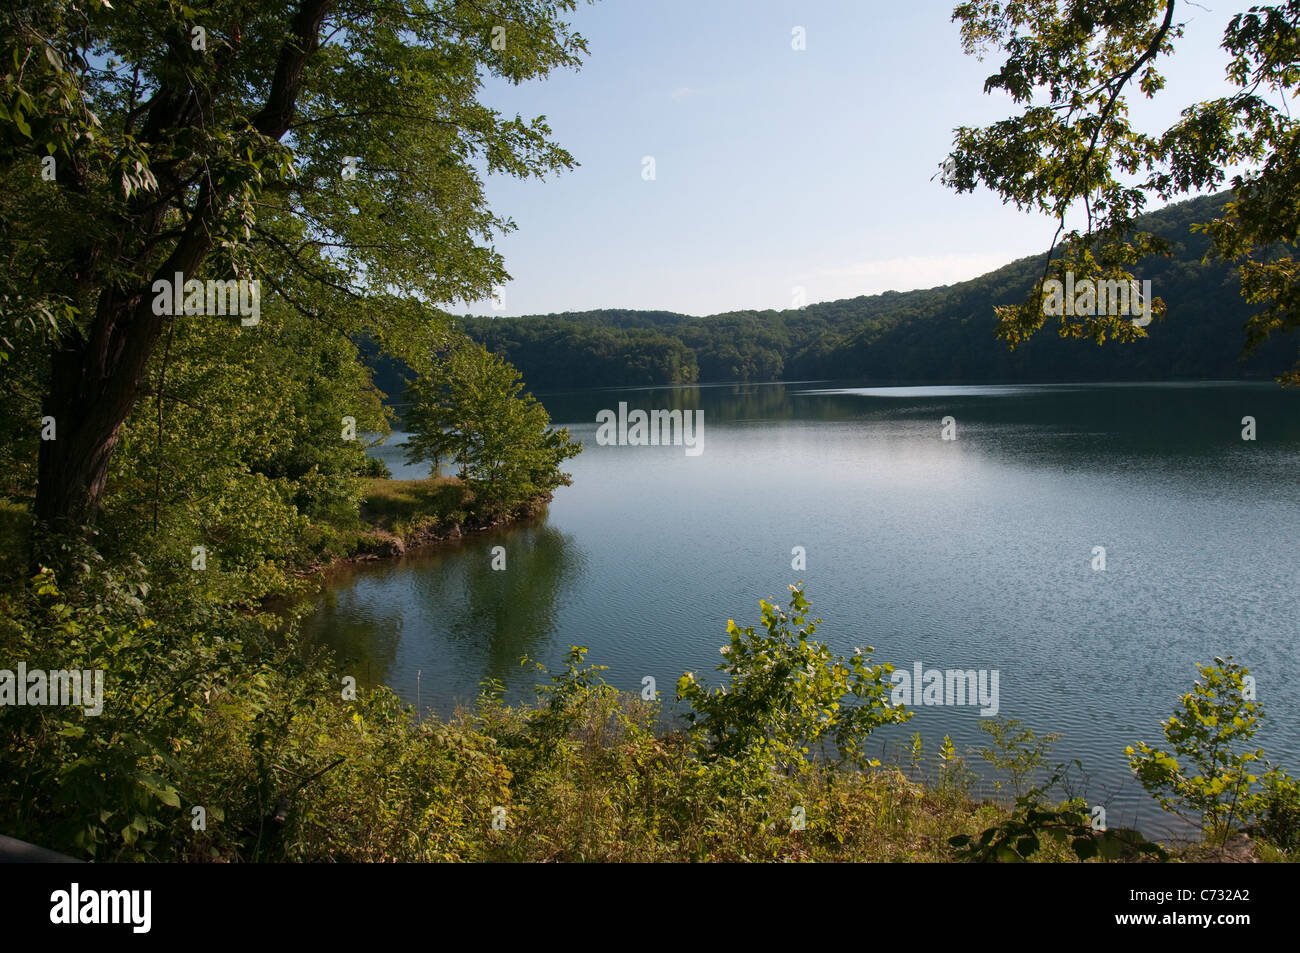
(1277, 811)
(107, 786)
(789, 694)
(1015, 749)
(1213, 782)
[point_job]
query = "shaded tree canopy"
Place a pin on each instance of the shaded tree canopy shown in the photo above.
(1072, 152)
(331, 150)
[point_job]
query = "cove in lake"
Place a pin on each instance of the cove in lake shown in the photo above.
(970, 554)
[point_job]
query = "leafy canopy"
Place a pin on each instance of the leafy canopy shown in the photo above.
(240, 146)
(1072, 152)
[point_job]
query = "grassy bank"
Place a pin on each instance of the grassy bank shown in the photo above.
(393, 516)
(399, 514)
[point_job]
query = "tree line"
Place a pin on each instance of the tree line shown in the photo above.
(938, 335)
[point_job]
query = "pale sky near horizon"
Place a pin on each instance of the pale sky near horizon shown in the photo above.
(774, 167)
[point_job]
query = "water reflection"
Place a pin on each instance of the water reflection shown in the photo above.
(504, 615)
(445, 615)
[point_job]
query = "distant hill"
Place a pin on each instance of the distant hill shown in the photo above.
(935, 335)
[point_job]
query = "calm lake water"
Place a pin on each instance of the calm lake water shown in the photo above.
(975, 553)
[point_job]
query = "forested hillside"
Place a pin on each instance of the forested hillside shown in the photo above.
(944, 334)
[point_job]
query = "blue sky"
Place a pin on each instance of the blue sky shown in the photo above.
(774, 168)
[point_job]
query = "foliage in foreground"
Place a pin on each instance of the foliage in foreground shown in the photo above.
(1211, 775)
(246, 726)
(221, 739)
(1035, 824)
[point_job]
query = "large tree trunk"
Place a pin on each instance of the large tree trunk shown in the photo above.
(94, 383)
(95, 380)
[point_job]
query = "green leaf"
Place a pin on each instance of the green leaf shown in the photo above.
(1027, 845)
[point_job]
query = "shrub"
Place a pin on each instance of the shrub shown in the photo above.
(1213, 781)
(1015, 749)
(789, 694)
(1277, 811)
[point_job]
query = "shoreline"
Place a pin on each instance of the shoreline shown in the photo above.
(385, 536)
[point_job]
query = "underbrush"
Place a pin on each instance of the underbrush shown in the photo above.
(222, 739)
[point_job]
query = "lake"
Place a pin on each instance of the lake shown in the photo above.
(975, 553)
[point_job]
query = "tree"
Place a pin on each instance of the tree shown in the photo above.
(789, 694)
(1070, 65)
(330, 150)
(239, 447)
(1016, 749)
(470, 411)
(1215, 778)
